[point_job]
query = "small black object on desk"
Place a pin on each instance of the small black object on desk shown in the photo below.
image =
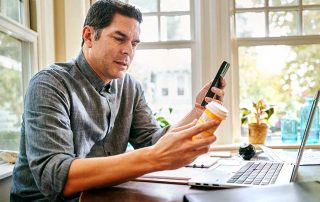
(247, 151)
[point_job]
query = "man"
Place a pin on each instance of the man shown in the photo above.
(79, 117)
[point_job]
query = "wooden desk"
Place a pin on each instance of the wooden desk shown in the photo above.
(156, 192)
(140, 192)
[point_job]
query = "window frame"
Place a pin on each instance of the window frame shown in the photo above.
(300, 39)
(214, 44)
(211, 43)
(196, 81)
(177, 44)
(28, 39)
(29, 42)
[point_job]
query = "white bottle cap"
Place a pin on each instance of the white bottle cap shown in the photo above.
(218, 109)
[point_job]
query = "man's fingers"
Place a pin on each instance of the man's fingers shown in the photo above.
(219, 92)
(200, 151)
(223, 83)
(207, 86)
(189, 125)
(198, 106)
(212, 99)
(203, 142)
(199, 128)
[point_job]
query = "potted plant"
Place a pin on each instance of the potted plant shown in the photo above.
(257, 119)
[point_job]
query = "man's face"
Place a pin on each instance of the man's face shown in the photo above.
(111, 55)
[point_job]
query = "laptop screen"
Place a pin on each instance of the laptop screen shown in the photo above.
(305, 135)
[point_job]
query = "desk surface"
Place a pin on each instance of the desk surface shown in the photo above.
(154, 192)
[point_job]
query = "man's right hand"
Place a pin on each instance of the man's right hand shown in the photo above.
(173, 150)
(176, 148)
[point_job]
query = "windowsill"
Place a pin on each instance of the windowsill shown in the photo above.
(235, 146)
(6, 169)
(276, 143)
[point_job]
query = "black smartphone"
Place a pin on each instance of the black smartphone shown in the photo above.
(216, 81)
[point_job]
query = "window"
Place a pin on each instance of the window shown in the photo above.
(12, 9)
(10, 91)
(165, 92)
(165, 55)
(278, 54)
(17, 63)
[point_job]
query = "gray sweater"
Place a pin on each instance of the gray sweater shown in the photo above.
(70, 113)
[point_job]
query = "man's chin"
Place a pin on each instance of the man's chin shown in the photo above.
(120, 75)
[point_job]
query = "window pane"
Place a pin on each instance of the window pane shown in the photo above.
(175, 28)
(283, 2)
(251, 24)
(282, 75)
(149, 29)
(176, 5)
(145, 6)
(165, 74)
(13, 9)
(283, 23)
(311, 22)
(249, 3)
(306, 2)
(11, 103)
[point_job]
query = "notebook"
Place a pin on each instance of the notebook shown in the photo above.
(254, 173)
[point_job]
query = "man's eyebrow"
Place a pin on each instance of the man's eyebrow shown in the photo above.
(125, 36)
(121, 34)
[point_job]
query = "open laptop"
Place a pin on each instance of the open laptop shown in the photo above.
(254, 173)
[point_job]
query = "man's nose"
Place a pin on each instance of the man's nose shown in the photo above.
(127, 49)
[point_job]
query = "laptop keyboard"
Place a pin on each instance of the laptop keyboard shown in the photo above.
(257, 173)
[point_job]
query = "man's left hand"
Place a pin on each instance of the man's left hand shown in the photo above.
(218, 97)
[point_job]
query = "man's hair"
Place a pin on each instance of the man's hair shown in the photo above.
(100, 14)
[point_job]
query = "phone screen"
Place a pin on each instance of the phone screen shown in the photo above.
(216, 81)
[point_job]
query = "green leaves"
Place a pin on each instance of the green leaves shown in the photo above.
(261, 112)
(163, 122)
(245, 115)
(269, 112)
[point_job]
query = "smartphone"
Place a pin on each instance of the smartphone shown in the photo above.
(216, 81)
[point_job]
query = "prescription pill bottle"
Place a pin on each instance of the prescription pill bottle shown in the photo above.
(213, 111)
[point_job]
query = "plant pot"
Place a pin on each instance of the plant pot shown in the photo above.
(257, 133)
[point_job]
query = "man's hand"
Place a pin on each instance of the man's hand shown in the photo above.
(176, 148)
(219, 93)
(196, 112)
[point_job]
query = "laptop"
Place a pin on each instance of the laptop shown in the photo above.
(254, 173)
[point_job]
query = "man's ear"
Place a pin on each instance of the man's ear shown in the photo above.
(87, 35)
